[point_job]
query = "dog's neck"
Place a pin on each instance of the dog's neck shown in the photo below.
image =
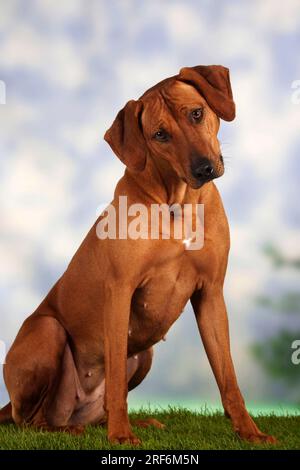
(161, 183)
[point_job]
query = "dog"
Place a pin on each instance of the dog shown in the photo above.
(91, 339)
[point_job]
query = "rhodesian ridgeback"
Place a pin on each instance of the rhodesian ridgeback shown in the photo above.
(90, 340)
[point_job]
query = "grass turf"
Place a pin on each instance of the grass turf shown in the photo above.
(184, 430)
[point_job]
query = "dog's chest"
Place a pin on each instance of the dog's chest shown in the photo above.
(157, 304)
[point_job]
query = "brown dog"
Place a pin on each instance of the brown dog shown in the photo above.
(90, 340)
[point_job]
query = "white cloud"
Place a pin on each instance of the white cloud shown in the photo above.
(37, 188)
(103, 183)
(65, 11)
(273, 15)
(183, 24)
(55, 58)
(84, 137)
(135, 75)
(15, 115)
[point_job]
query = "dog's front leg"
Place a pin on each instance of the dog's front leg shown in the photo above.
(211, 315)
(115, 322)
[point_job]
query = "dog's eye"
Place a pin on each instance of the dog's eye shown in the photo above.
(161, 135)
(197, 114)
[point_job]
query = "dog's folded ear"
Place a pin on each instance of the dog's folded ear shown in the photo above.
(125, 136)
(213, 82)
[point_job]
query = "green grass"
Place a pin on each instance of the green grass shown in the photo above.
(184, 430)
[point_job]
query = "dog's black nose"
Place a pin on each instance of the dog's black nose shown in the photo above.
(203, 169)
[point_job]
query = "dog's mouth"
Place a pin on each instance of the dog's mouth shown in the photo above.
(195, 183)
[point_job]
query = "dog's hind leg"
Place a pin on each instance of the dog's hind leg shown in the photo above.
(33, 371)
(6, 414)
(67, 394)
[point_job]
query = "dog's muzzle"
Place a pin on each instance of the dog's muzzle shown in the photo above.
(203, 170)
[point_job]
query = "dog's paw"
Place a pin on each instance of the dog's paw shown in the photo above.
(247, 430)
(145, 423)
(129, 438)
(75, 430)
(258, 438)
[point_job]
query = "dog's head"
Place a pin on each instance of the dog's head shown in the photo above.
(177, 120)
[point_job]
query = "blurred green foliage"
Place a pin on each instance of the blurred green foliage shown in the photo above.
(278, 259)
(288, 302)
(274, 352)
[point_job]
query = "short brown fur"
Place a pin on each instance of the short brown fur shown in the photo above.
(75, 358)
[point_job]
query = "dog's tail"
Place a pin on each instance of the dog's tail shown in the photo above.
(6, 414)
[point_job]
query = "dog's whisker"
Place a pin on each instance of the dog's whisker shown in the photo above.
(226, 157)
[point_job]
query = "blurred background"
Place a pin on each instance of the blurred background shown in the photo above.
(68, 67)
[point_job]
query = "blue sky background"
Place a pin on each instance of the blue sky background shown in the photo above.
(68, 67)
